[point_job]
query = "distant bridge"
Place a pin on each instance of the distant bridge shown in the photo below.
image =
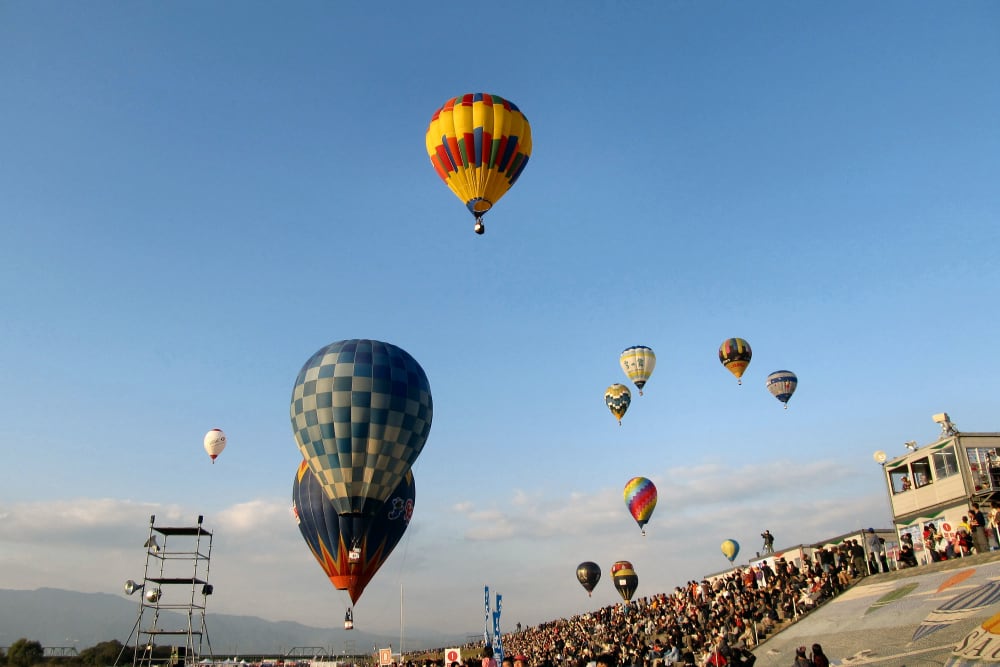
(50, 651)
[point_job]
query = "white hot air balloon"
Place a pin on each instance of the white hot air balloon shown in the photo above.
(215, 442)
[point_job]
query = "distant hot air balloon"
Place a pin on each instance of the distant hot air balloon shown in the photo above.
(626, 581)
(361, 411)
(621, 565)
(638, 363)
(735, 353)
(215, 442)
(588, 574)
(640, 498)
(782, 385)
(730, 549)
(350, 559)
(618, 398)
(479, 144)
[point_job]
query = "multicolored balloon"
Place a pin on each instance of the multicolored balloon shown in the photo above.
(638, 363)
(782, 385)
(479, 144)
(349, 557)
(735, 354)
(640, 498)
(215, 442)
(626, 581)
(361, 411)
(730, 549)
(621, 565)
(618, 398)
(588, 574)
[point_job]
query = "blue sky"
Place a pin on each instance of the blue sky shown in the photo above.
(196, 197)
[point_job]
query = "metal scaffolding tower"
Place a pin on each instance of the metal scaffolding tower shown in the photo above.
(174, 591)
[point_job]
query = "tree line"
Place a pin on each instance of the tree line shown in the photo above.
(30, 653)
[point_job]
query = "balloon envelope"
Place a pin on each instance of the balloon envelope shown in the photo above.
(479, 144)
(361, 411)
(215, 442)
(617, 397)
(588, 574)
(782, 385)
(626, 581)
(730, 549)
(638, 363)
(735, 354)
(640, 498)
(332, 537)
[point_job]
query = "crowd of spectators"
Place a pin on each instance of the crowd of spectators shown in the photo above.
(694, 624)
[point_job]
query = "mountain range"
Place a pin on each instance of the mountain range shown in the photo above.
(69, 619)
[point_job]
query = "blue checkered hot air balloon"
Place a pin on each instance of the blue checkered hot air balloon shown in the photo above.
(361, 411)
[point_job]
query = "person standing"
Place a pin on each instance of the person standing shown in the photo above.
(977, 520)
(874, 548)
(818, 657)
(768, 541)
(857, 554)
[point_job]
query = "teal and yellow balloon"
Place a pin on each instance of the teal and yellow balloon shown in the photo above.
(479, 144)
(640, 499)
(731, 549)
(617, 397)
(735, 354)
(638, 363)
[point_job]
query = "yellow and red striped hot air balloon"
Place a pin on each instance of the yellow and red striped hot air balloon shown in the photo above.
(479, 144)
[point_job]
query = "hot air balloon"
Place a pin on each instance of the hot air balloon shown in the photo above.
(731, 549)
(618, 398)
(588, 574)
(479, 144)
(638, 363)
(640, 498)
(348, 558)
(626, 581)
(361, 411)
(621, 565)
(782, 385)
(215, 442)
(735, 354)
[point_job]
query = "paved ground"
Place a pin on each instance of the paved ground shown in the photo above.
(939, 614)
